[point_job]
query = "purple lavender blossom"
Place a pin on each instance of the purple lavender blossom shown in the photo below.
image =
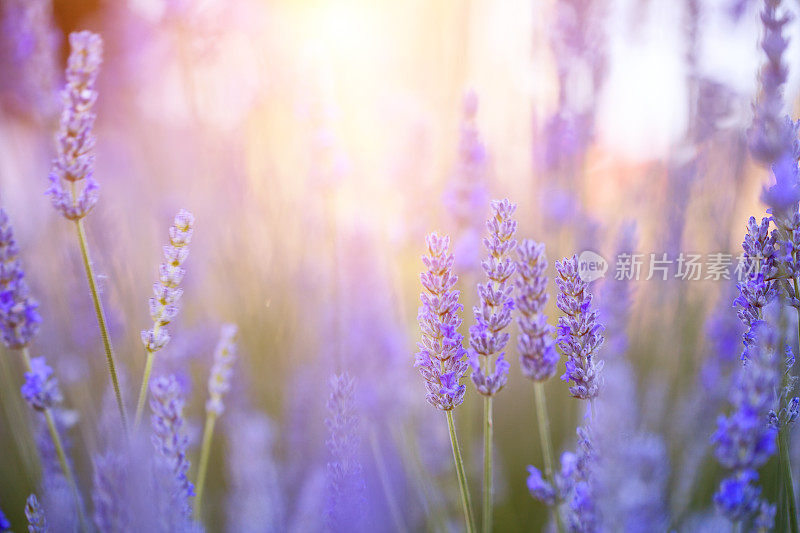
(440, 359)
(493, 313)
(744, 440)
(41, 386)
(171, 443)
(29, 55)
(574, 487)
(75, 141)
(539, 487)
(467, 195)
(37, 523)
(537, 354)
(111, 511)
(19, 318)
(166, 292)
(760, 285)
(345, 480)
(219, 382)
(256, 496)
(579, 334)
(768, 133)
(5, 525)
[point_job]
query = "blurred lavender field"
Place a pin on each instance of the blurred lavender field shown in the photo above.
(306, 265)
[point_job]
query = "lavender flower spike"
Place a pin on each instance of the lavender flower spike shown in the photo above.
(166, 293)
(218, 384)
(171, 443)
(440, 359)
(35, 514)
(5, 525)
(579, 334)
(74, 163)
(19, 318)
(537, 353)
(768, 133)
(346, 489)
(493, 314)
(220, 380)
(41, 386)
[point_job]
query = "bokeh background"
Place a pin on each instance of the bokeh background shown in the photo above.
(317, 142)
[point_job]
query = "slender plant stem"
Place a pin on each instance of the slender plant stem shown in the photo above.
(205, 451)
(466, 503)
(487, 464)
(60, 453)
(547, 445)
(101, 319)
(148, 368)
(13, 408)
(391, 501)
(786, 473)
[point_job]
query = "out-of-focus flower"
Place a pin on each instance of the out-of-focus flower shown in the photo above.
(346, 490)
(768, 133)
(19, 317)
(41, 386)
(537, 354)
(744, 440)
(466, 196)
(111, 511)
(29, 55)
(5, 525)
(166, 292)
(220, 380)
(539, 488)
(440, 359)
(37, 523)
(73, 189)
(171, 443)
(579, 334)
(256, 496)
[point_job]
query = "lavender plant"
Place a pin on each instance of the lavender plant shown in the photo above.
(171, 443)
(440, 359)
(37, 522)
(579, 334)
(487, 338)
(537, 354)
(73, 189)
(345, 482)
(219, 382)
(744, 439)
(5, 525)
(166, 294)
(19, 322)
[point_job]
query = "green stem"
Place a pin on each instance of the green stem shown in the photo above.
(547, 444)
(786, 473)
(101, 319)
(15, 415)
(60, 453)
(205, 451)
(388, 493)
(487, 464)
(148, 368)
(466, 504)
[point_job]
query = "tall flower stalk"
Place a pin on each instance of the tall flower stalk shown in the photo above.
(219, 383)
(171, 443)
(441, 355)
(166, 294)
(487, 336)
(774, 143)
(73, 189)
(537, 354)
(19, 323)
